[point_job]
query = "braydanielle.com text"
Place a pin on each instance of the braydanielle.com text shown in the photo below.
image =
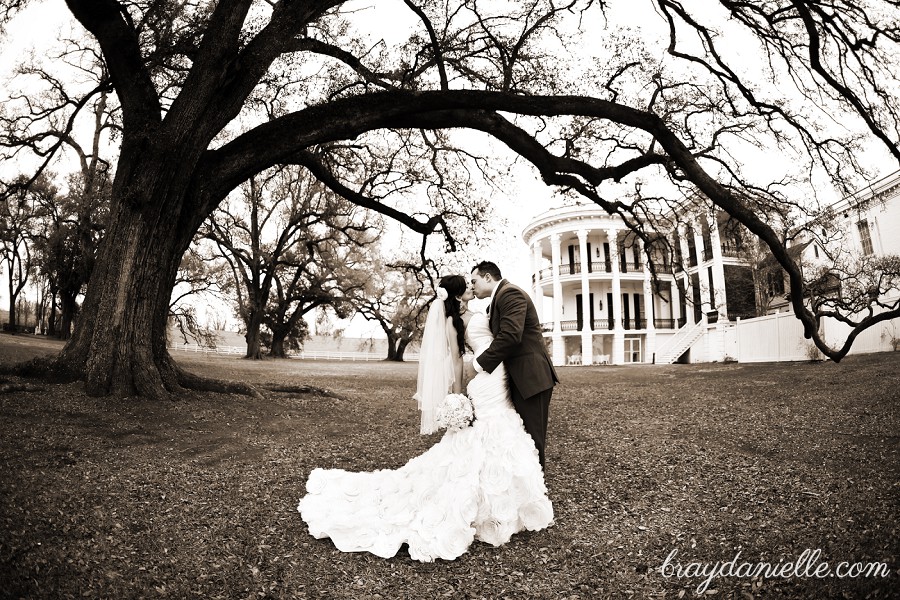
(807, 565)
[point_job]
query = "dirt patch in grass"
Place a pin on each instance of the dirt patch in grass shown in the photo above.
(125, 498)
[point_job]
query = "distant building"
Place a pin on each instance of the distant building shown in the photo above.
(606, 307)
(864, 225)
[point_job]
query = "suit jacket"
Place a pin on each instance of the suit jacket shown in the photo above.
(518, 342)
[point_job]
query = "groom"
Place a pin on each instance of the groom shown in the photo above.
(518, 344)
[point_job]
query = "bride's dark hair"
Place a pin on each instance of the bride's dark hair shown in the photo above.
(455, 285)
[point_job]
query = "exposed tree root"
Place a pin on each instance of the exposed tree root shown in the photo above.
(205, 384)
(303, 389)
(171, 379)
(47, 368)
(176, 379)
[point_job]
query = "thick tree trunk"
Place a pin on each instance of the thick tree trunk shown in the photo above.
(392, 347)
(12, 306)
(254, 351)
(68, 307)
(120, 341)
(51, 318)
(401, 349)
(279, 335)
(118, 346)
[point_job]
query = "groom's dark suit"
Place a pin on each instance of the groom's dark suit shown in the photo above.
(519, 344)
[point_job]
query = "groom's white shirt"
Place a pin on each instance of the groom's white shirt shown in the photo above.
(478, 368)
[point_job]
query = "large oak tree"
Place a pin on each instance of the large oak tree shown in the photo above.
(191, 76)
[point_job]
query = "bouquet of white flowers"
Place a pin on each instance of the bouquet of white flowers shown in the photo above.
(455, 412)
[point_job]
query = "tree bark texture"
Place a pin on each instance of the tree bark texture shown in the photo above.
(277, 349)
(252, 337)
(121, 341)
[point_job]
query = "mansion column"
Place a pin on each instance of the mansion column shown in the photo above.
(688, 284)
(559, 348)
(587, 325)
(649, 307)
(538, 291)
(715, 344)
(718, 268)
(702, 269)
(675, 303)
(617, 356)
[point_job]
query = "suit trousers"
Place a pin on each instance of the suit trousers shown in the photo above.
(534, 411)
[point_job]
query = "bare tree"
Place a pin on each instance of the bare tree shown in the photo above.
(396, 297)
(284, 250)
(331, 272)
(19, 217)
(198, 277)
(60, 120)
(192, 81)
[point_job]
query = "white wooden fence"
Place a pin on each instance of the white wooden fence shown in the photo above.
(310, 355)
(779, 337)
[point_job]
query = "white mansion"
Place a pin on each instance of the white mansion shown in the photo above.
(606, 307)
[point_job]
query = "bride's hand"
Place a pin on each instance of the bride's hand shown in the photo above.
(468, 371)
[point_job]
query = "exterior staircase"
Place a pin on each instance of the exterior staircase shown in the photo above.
(680, 343)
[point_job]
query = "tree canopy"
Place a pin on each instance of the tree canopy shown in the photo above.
(211, 94)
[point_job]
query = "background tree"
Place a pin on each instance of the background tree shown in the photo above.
(19, 217)
(396, 297)
(681, 106)
(66, 118)
(332, 271)
(74, 228)
(199, 277)
(283, 244)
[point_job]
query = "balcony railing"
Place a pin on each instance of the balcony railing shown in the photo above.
(609, 324)
(634, 323)
(568, 325)
(733, 251)
(604, 267)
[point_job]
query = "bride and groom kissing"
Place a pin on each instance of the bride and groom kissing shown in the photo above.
(485, 481)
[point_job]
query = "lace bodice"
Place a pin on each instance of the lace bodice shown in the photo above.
(478, 333)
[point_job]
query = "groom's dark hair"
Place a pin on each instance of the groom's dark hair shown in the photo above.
(486, 267)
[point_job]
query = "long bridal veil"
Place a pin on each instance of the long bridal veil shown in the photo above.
(435, 378)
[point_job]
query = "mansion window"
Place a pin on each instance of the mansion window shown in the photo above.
(865, 237)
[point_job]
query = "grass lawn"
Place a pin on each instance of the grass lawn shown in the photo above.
(113, 498)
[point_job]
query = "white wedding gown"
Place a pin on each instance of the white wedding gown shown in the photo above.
(483, 482)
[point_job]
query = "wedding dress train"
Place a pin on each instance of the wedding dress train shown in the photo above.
(482, 482)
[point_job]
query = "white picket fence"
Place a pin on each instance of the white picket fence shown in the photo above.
(308, 355)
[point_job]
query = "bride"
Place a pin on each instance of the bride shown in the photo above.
(482, 482)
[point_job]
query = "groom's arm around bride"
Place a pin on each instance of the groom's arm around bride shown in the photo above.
(518, 344)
